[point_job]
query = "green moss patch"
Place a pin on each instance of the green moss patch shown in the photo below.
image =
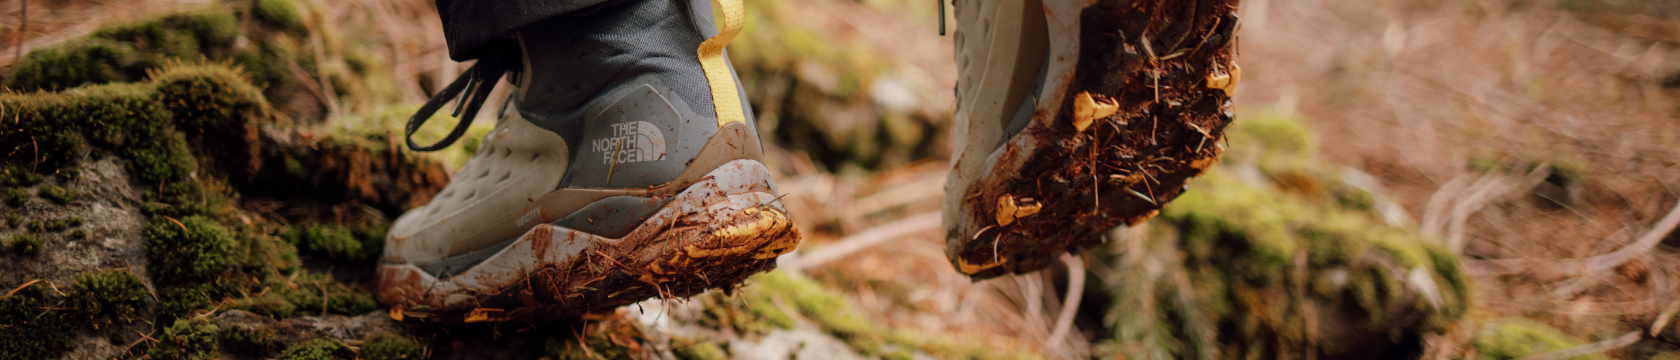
(318, 349)
(280, 13)
(16, 197)
(187, 339)
(106, 297)
(700, 351)
(1516, 338)
(32, 328)
(190, 249)
(385, 346)
(25, 243)
(766, 293)
(257, 343)
(60, 195)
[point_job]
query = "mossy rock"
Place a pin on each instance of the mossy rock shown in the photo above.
(833, 314)
(125, 52)
(106, 297)
(1259, 270)
(279, 13)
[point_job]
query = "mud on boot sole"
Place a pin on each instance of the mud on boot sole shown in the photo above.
(713, 234)
(1143, 108)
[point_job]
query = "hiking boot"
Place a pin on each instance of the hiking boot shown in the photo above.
(1076, 116)
(624, 166)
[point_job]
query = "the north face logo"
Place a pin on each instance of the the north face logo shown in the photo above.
(631, 141)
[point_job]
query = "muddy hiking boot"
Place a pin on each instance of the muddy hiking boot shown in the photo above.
(1076, 116)
(624, 166)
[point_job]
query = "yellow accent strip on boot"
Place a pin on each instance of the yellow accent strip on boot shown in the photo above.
(725, 98)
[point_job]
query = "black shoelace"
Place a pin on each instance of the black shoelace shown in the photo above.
(476, 83)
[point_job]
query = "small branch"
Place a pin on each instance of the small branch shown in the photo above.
(1589, 349)
(20, 288)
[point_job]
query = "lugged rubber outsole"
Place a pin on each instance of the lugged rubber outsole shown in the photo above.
(711, 235)
(1136, 100)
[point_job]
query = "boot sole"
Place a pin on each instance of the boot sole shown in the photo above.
(711, 235)
(1074, 172)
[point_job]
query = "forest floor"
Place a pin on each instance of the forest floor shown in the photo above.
(1535, 144)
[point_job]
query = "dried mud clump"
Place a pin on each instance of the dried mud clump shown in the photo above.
(1145, 111)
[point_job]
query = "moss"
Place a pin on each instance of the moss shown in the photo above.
(765, 294)
(831, 311)
(316, 293)
(32, 329)
(385, 346)
(69, 175)
(102, 298)
(17, 175)
(25, 243)
(1240, 244)
(53, 226)
(80, 62)
(279, 13)
(78, 234)
(334, 242)
(270, 304)
(178, 302)
(256, 343)
(13, 219)
(60, 195)
(124, 52)
(187, 339)
(318, 349)
(745, 317)
(16, 197)
(193, 248)
(615, 337)
(304, 294)
(1515, 338)
(700, 351)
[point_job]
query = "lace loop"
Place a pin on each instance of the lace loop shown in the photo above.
(473, 87)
